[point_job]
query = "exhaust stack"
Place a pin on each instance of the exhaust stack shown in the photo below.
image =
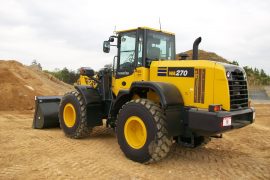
(195, 53)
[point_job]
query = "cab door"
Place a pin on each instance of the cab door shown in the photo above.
(126, 61)
(130, 60)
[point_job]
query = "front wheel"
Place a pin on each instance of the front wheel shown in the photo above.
(72, 116)
(142, 132)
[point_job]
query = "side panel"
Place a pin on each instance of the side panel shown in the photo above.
(221, 88)
(123, 83)
(139, 74)
(184, 74)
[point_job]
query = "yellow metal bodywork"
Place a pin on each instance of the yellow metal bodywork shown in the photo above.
(207, 86)
(139, 74)
(221, 87)
(69, 115)
(214, 75)
(85, 80)
(135, 132)
(216, 88)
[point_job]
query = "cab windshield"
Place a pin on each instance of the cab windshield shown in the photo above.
(160, 46)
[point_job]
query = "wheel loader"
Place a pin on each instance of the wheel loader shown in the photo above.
(152, 99)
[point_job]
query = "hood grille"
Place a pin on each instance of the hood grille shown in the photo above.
(238, 90)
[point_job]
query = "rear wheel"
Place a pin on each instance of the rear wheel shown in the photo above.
(72, 115)
(142, 132)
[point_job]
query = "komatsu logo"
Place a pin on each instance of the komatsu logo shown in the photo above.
(162, 71)
(123, 73)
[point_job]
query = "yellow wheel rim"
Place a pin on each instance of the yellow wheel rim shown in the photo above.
(135, 132)
(69, 115)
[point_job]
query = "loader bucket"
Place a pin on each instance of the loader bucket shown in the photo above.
(46, 112)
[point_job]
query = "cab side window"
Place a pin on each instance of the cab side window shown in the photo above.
(127, 51)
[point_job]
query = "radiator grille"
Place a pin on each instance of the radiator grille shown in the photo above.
(238, 90)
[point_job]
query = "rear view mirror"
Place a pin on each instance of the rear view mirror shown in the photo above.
(106, 46)
(111, 39)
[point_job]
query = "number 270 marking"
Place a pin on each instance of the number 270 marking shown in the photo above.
(181, 72)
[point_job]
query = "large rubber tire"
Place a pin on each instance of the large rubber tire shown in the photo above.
(158, 142)
(79, 128)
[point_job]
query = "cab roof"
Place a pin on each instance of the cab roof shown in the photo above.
(147, 28)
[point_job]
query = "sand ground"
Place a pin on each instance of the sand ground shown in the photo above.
(26, 153)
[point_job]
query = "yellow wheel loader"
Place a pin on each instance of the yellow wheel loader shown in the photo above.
(152, 99)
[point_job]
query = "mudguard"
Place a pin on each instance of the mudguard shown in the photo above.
(94, 103)
(89, 94)
(168, 93)
(171, 101)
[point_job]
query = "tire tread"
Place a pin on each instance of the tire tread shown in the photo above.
(160, 147)
(82, 130)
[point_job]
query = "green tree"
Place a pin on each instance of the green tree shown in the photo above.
(65, 75)
(262, 73)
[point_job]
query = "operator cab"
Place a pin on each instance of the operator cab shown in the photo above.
(139, 47)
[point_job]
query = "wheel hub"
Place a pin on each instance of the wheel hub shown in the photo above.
(135, 132)
(69, 115)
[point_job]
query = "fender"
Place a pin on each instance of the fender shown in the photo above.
(92, 99)
(171, 101)
(168, 94)
(89, 94)
(122, 97)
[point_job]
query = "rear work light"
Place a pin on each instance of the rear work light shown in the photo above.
(214, 107)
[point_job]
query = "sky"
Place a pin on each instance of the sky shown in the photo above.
(70, 33)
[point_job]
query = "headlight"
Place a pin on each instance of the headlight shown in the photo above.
(228, 74)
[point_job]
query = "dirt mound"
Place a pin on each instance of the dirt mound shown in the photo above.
(19, 85)
(204, 55)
